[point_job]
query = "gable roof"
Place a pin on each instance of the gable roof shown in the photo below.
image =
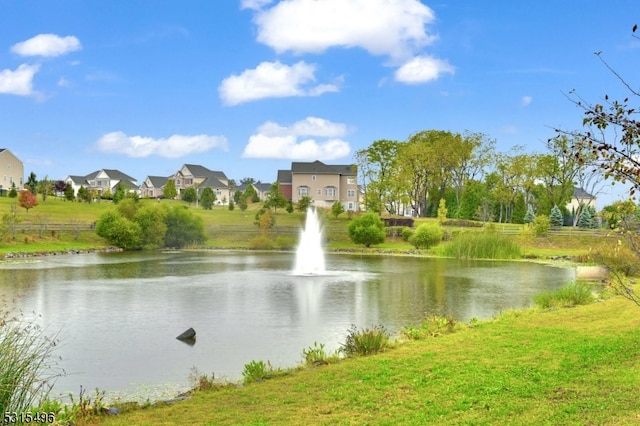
(580, 193)
(318, 167)
(284, 176)
(157, 181)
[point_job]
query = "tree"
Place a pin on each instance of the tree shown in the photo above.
(586, 219)
(27, 200)
(275, 198)
(231, 205)
(377, 165)
(119, 231)
(556, 219)
(45, 187)
(530, 215)
(59, 187)
(190, 195)
(120, 193)
(251, 194)
(427, 235)
(183, 228)
(337, 209)
(169, 191)
(207, 198)
(367, 229)
(32, 183)
(68, 193)
(153, 228)
(442, 211)
(13, 193)
(304, 203)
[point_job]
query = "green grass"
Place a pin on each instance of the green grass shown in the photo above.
(573, 294)
(569, 366)
(483, 245)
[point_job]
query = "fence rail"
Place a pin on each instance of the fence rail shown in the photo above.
(58, 227)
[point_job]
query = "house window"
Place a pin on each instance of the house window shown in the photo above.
(218, 192)
(351, 193)
(351, 180)
(350, 206)
(303, 191)
(313, 177)
(319, 191)
(188, 181)
(330, 191)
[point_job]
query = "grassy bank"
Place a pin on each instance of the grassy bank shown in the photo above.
(567, 366)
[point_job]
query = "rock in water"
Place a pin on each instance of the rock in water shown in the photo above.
(189, 334)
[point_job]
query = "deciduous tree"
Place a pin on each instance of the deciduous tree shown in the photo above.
(27, 200)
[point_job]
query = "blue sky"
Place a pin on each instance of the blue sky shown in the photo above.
(248, 86)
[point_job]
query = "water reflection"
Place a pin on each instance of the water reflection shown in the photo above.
(118, 314)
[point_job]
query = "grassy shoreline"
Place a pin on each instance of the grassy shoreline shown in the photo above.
(513, 369)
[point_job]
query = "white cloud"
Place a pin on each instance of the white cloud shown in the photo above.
(47, 45)
(299, 141)
(18, 82)
(395, 28)
(272, 80)
(526, 100)
(422, 69)
(173, 147)
(254, 4)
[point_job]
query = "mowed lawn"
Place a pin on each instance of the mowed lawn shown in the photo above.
(570, 366)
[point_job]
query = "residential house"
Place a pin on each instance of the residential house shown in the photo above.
(102, 181)
(284, 179)
(153, 186)
(579, 200)
(262, 189)
(12, 171)
(199, 176)
(323, 183)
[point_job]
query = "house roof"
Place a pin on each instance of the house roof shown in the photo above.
(262, 187)
(318, 167)
(201, 171)
(157, 181)
(212, 182)
(78, 180)
(580, 193)
(113, 174)
(284, 176)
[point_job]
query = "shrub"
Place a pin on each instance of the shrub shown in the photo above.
(432, 326)
(317, 355)
(257, 371)
(427, 235)
(555, 217)
(570, 295)
(482, 245)
(261, 242)
(183, 228)
(367, 229)
(119, 231)
(365, 341)
(406, 233)
(541, 224)
(285, 243)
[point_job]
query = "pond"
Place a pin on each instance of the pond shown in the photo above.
(117, 315)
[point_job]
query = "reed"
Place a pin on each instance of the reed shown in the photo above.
(482, 245)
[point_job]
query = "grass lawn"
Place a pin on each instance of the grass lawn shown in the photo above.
(570, 366)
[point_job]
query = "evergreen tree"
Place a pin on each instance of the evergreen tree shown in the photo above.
(530, 216)
(556, 217)
(586, 220)
(13, 193)
(231, 205)
(207, 198)
(169, 191)
(190, 195)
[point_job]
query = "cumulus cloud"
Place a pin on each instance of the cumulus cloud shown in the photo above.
(47, 45)
(18, 82)
(310, 139)
(422, 69)
(526, 100)
(382, 27)
(172, 147)
(272, 80)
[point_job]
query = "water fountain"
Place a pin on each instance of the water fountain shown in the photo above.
(310, 255)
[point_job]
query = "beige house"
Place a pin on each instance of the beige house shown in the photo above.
(153, 186)
(324, 183)
(12, 171)
(102, 181)
(194, 175)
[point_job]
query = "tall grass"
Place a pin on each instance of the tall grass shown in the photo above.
(572, 294)
(27, 364)
(483, 245)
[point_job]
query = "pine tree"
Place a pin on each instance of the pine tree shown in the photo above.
(585, 221)
(556, 217)
(528, 218)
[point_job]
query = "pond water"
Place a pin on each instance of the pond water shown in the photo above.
(118, 314)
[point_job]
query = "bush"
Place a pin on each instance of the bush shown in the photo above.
(365, 341)
(367, 229)
(541, 224)
(482, 245)
(119, 231)
(257, 371)
(261, 242)
(570, 295)
(427, 235)
(317, 355)
(431, 327)
(406, 233)
(183, 228)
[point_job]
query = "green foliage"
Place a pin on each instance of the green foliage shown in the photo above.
(285, 243)
(231, 205)
(32, 183)
(68, 193)
(406, 233)
(586, 219)
(367, 229)
(555, 217)
(207, 198)
(257, 371)
(153, 228)
(13, 193)
(304, 203)
(427, 235)
(264, 219)
(169, 191)
(27, 364)
(251, 194)
(432, 326)
(289, 207)
(120, 194)
(83, 194)
(573, 294)
(337, 209)
(317, 355)
(366, 341)
(242, 204)
(442, 211)
(275, 198)
(530, 216)
(261, 242)
(128, 208)
(190, 195)
(183, 228)
(119, 231)
(541, 225)
(482, 245)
